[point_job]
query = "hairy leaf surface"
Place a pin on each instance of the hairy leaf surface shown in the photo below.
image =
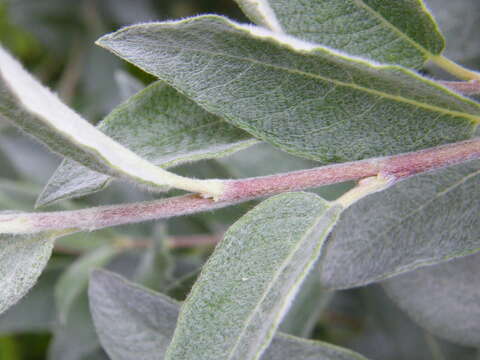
(160, 125)
(443, 298)
(303, 98)
(133, 322)
(396, 32)
(246, 286)
(427, 219)
(33, 108)
(22, 260)
(34, 313)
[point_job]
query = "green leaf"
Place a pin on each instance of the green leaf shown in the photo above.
(248, 283)
(133, 322)
(34, 109)
(305, 99)
(22, 260)
(160, 125)
(398, 32)
(74, 280)
(424, 220)
(34, 313)
(442, 298)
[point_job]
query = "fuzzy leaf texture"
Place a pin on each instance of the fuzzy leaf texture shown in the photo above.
(247, 284)
(133, 322)
(424, 220)
(33, 108)
(160, 125)
(396, 32)
(34, 313)
(443, 298)
(303, 98)
(22, 260)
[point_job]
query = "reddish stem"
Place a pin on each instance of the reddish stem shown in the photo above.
(396, 167)
(463, 87)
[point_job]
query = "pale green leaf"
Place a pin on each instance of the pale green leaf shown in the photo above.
(247, 284)
(35, 312)
(307, 100)
(443, 298)
(22, 260)
(424, 220)
(74, 280)
(396, 32)
(133, 322)
(160, 125)
(33, 108)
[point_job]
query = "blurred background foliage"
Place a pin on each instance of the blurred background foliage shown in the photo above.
(55, 41)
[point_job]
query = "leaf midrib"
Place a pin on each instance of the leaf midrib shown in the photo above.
(275, 278)
(361, 4)
(473, 118)
(426, 204)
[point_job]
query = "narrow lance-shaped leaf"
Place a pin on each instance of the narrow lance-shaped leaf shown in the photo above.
(33, 108)
(443, 298)
(305, 99)
(160, 125)
(396, 32)
(74, 280)
(420, 221)
(246, 286)
(129, 330)
(22, 260)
